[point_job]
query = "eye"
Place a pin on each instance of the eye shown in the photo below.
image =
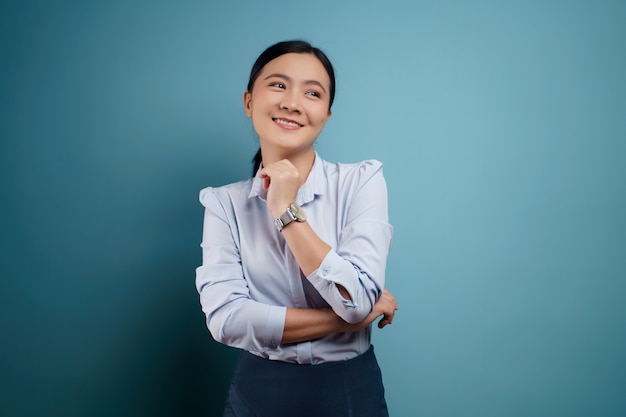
(313, 93)
(278, 85)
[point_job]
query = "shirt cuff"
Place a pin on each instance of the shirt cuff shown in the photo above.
(333, 271)
(275, 325)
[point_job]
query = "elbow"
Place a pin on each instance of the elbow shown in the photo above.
(238, 331)
(222, 324)
(223, 331)
(226, 335)
(353, 314)
(216, 329)
(354, 311)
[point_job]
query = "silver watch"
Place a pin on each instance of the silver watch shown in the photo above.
(294, 212)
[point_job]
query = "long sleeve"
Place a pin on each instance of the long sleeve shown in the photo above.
(249, 276)
(233, 318)
(359, 259)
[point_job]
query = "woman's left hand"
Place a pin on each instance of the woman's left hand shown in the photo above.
(386, 307)
(282, 181)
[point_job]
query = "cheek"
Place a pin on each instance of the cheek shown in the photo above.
(321, 115)
(258, 108)
(257, 125)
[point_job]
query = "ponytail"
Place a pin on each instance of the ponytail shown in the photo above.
(256, 161)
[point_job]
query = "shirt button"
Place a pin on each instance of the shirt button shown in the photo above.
(325, 271)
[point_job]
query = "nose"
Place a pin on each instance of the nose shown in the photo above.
(290, 102)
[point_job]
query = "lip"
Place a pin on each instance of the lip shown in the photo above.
(285, 123)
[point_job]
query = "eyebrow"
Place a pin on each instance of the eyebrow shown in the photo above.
(287, 78)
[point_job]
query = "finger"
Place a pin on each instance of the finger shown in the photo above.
(383, 322)
(387, 319)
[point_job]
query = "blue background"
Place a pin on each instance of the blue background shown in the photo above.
(502, 127)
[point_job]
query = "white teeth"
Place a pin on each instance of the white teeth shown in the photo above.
(286, 123)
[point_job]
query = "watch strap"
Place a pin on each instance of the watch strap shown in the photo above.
(284, 219)
(293, 212)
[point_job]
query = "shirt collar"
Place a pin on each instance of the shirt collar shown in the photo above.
(313, 186)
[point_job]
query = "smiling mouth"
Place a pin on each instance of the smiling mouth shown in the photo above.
(289, 123)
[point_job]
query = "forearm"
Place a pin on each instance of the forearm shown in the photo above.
(308, 249)
(306, 246)
(307, 324)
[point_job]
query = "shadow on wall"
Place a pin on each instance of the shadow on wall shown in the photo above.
(107, 320)
(162, 360)
(165, 362)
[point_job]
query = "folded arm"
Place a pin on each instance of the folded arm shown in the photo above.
(307, 324)
(350, 277)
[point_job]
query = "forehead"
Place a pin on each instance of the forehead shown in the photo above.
(299, 67)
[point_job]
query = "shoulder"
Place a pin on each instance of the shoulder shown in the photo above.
(368, 166)
(357, 173)
(226, 194)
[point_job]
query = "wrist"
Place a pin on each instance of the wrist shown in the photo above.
(293, 213)
(277, 210)
(339, 325)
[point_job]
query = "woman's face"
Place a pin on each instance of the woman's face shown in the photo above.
(289, 102)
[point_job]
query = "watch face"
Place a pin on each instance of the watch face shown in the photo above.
(297, 212)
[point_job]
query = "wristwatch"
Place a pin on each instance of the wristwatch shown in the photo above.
(294, 212)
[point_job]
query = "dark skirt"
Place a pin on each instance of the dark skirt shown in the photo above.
(267, 388)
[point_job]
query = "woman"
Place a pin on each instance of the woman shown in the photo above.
(297, 292)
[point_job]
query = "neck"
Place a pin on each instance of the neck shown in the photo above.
(303, 161)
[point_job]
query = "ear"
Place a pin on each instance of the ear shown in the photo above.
(247, 100)
(330, 113)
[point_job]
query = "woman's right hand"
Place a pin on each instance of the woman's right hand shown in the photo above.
(282, 181)
(386, 306)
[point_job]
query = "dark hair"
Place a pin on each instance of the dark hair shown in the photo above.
(282, 48)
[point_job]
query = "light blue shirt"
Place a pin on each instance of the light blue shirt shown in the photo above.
(249, 276)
